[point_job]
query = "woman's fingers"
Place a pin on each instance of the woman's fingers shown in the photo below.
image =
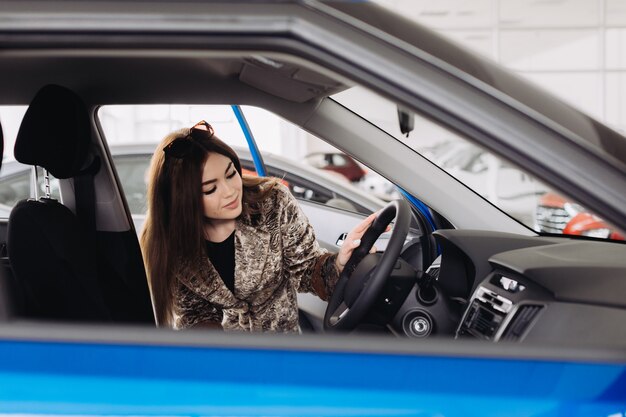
(355, 235)
(360, 228)
(353, 240)
(350, 245)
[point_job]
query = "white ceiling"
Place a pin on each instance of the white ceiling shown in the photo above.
(555, 43)
(486, 14)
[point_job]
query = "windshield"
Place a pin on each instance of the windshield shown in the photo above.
(512, 190)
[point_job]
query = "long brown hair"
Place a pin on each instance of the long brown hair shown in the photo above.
(173, 232)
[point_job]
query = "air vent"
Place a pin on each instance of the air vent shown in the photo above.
(522, 319)
(481, 321)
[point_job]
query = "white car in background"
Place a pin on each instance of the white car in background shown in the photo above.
(308, 184)
(505, 186)
(378, 186)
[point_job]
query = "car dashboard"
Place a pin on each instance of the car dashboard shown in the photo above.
(534, 289)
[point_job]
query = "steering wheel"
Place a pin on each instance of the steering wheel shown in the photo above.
(364, 275)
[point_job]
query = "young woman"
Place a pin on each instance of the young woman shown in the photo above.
(227, 251)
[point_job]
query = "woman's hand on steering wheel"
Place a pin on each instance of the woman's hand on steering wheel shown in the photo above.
(353, 240)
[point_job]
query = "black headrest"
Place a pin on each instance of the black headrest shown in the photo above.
(55, 133)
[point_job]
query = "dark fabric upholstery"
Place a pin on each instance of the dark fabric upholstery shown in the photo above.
(123, 278)
(55, 269)
(55, 132)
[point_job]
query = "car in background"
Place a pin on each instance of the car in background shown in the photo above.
(132, 162)
(337, 162)
(507, 187)
(378, 186)
(555, 214)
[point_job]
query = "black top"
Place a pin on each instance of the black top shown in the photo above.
(222, 256)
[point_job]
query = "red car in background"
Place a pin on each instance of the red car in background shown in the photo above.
(337, 162)
(555, 214)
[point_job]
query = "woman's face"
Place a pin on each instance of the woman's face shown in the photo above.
(221, 188)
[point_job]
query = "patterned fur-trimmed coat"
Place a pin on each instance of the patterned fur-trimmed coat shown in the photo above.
(276, 256)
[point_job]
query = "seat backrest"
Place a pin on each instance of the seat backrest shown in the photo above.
(53, 265)
(52, 251)
(11, 300)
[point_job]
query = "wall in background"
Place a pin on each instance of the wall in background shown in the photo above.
(573, 48)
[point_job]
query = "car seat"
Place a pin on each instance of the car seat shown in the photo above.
(52, 250)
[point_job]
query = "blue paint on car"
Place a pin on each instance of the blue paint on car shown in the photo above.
(254, 149)
(421, 207)
(126, 379)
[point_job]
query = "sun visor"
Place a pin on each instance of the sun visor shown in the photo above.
(285, 80)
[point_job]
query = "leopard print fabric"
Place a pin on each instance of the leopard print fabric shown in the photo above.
(276, 256)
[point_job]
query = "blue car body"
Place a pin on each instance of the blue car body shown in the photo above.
(87, 378)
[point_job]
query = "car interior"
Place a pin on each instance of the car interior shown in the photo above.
(481, 275)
